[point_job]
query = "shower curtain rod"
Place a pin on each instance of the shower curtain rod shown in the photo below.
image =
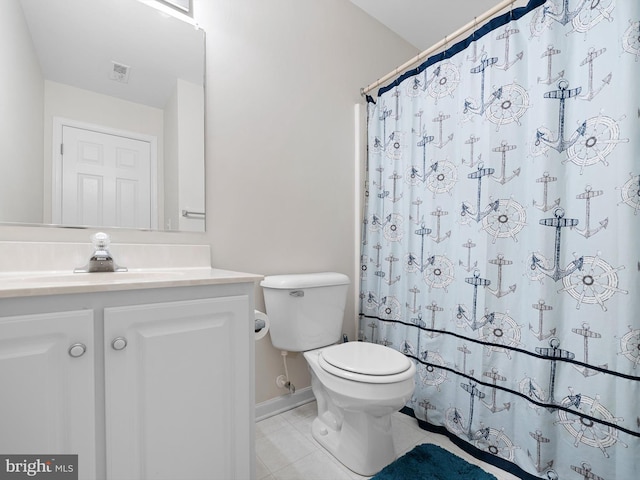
(471, 25)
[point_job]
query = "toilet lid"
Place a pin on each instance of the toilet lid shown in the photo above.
(366, 358)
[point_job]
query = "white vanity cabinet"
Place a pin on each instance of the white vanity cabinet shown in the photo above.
(47, 392)
(163, 388)
(170, 370)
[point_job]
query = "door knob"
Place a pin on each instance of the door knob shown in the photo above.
(119, 343)
(77, 350)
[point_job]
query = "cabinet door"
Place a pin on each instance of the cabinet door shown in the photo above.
(47, 393)
(170, 379)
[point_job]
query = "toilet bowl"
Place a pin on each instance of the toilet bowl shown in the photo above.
(358, 386)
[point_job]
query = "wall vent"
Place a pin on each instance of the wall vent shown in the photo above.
(119, 72)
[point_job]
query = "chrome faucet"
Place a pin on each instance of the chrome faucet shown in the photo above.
(101, 260)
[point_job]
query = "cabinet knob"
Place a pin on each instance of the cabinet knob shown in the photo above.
(77, 350)
(119, 343)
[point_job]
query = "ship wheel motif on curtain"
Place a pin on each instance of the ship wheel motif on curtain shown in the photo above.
(510, 106)
(455, 422)
(389, 309)
(593, 13)
(630, 192)
(539, 23)
(536, 147)
(438, 272)
(374, 223)
(630, 346)
(430, 375)
(502, 330)
(507, 220)
(600, 137)
(394, 146)
(585, 430)
(631, 39)
(537, 274)
(376, 146)
(393, 227)
(415, 175)
(495, 442)
(595, 283)
(583, 15)
(417, 85)
(370, 303)
(532, 390)
(443, 177)
(446, 78)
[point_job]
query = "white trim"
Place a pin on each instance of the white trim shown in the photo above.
(277, 405)
(56, 163)
(357, 211)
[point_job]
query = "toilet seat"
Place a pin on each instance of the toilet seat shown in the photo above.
(365, 362)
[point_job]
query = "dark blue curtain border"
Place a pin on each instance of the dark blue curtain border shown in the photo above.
(473, 450)
(496, 22)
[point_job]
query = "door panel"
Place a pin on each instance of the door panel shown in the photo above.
(106, 179)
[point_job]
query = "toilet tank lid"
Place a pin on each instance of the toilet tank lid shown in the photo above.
(305, 280)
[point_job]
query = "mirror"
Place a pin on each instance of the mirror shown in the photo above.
(101, 115)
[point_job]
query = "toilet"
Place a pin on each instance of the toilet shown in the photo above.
(357, 385)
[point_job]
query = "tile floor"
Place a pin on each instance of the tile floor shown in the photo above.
(285, 449)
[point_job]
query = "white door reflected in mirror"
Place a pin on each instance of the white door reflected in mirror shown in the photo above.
(106, 179)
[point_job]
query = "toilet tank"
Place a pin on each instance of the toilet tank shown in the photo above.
(305, 310)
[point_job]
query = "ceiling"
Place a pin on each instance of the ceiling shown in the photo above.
(423, 23)
(77, 43)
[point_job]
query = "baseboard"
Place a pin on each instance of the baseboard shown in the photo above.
(277, 405)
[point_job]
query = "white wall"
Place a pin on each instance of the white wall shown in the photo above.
(283, 77)
(21, 94)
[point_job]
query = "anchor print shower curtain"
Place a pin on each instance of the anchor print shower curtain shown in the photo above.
(500, 241)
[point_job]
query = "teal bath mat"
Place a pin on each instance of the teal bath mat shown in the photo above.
(431, 462)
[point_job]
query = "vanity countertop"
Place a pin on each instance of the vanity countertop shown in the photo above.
(27, 284)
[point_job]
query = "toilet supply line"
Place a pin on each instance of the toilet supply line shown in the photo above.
(282, 381)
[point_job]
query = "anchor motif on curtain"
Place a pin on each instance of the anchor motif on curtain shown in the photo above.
(556, 272)
(492, 207)
(545, 206)
(549, 53)
(560, 144)
(472, 321)
(469, 104)
(472, 160)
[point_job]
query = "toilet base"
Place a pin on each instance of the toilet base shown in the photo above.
(362, 443)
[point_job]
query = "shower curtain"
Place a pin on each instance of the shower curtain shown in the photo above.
(500, 238)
